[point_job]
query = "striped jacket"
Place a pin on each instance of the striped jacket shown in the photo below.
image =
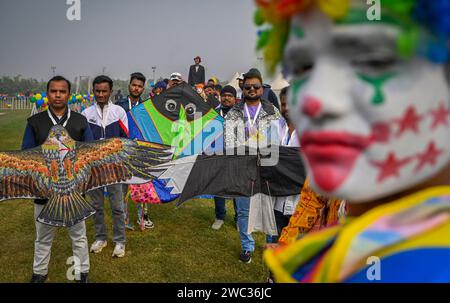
(111, 122)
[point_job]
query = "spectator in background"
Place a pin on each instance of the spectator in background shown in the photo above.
(174, 80)
(285, 206)
(213, 81)
(228, 100)
(196, 73)
(241, 88)
(211, 96)
(245, 124)
(118, 96)
(160, 86)
(217, 90)
(268, 93)
(135, 90)
(106, 121)
(209, 90)
(284, 105)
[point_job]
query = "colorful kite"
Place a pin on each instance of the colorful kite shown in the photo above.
(62, 170)
(236, 173)
(179, 117)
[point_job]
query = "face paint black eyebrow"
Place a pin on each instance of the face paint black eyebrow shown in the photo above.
(299, 54)
(350, 45)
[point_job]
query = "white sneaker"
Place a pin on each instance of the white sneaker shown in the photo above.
(217, 224)
(119, 250)
(98, 245)
(148, 224)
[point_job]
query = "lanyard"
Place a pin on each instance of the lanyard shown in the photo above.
(249, 120)
(54, 121)
(129, 103)
(288, 138)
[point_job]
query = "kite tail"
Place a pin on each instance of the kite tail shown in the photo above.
(66, 210)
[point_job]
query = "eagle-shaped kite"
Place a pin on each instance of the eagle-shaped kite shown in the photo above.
(62, 170)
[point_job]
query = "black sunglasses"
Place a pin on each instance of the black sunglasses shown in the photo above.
(249, 86)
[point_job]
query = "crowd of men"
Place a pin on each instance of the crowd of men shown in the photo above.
(252, 104)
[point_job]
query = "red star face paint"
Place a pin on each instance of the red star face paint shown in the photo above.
(371, 122)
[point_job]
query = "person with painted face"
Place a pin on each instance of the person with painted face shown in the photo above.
(370, 101)
(252, 123)
(107, 120)
(135, 91)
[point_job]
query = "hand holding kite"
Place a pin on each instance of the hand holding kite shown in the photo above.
(62, 169)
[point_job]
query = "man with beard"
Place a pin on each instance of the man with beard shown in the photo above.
(252, 123)
(135, 90)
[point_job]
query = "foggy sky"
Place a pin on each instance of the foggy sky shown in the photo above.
(125, 36)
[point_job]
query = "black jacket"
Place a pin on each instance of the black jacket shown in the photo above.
(125, 104)
(269, 95)
(196, 77)
(39, 126)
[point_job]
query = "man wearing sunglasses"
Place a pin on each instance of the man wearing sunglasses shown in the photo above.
(254, 122)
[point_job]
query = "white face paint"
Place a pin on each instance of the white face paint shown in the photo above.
(371, 124)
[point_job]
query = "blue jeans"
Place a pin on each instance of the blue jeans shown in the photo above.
(220, 209)
(242, 211)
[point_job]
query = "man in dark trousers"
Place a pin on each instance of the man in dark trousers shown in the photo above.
(36, 132)
(227, 101)
(196, 73)
(135, 91)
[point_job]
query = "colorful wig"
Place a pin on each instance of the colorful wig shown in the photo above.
(425, 25)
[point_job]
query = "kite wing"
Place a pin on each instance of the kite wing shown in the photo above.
(23, 175)
(118, 160)
(235, 175)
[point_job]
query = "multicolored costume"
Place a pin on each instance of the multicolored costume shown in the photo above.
(407, 238)
(313, 213)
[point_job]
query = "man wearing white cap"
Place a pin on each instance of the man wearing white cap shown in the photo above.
(175, 79)
(241, 85)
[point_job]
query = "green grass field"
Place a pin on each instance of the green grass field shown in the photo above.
(181, 248)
